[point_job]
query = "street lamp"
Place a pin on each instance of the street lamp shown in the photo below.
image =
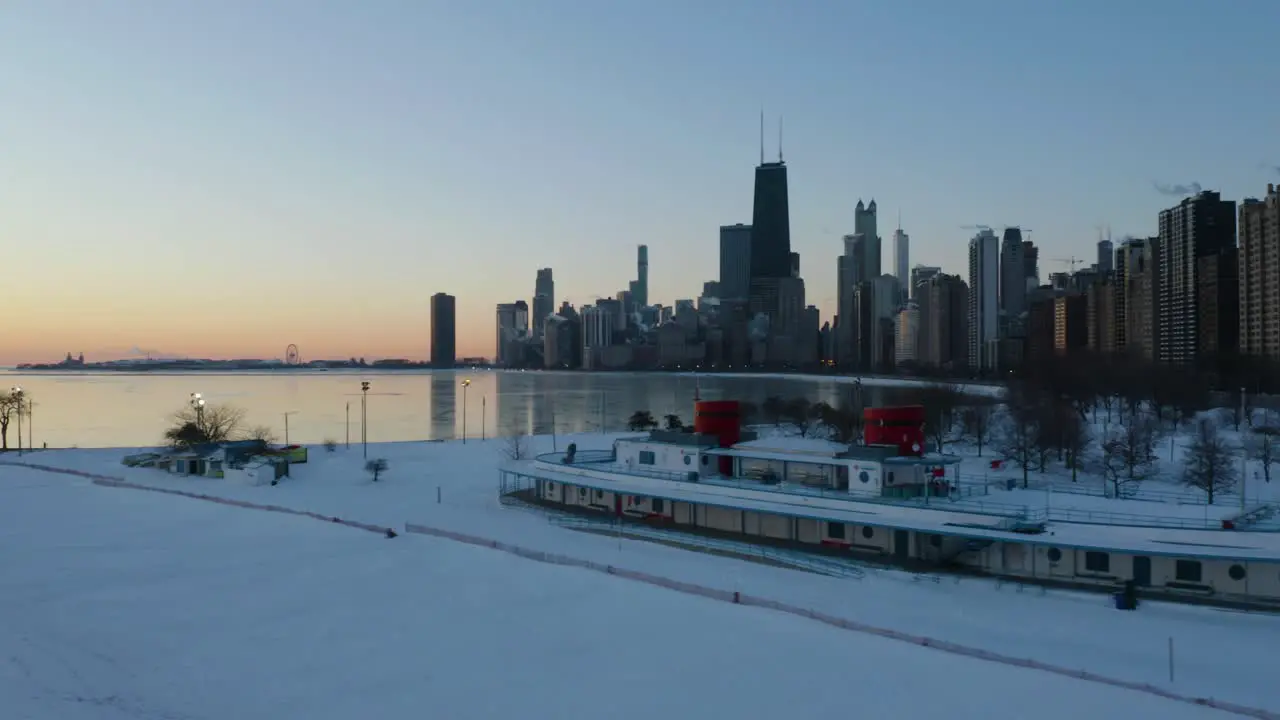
(17, 394)
(364, 416)
(197, 404)
(286, 426)
(465, 384)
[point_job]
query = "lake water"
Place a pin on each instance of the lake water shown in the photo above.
(129, 410)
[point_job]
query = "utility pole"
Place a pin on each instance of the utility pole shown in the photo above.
(364, 417)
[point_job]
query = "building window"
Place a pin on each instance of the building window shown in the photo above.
(868, 532)
(657, 505)
(688, 459)
(864, 476)
(1098, 562)
(551, 487)
(1055, 555)
(890, 477)
(646, 457)
(835, 530)
(1187, 571)
(706, 459)
(1236, 572)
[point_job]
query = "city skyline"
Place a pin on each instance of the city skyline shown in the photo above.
(221, 182)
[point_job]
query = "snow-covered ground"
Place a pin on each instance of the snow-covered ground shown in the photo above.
(123, 604)
(295, 577)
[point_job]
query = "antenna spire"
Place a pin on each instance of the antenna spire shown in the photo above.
(899, 218)
(762, 135)
(779, 138)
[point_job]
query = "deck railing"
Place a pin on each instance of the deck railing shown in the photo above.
(791, 558)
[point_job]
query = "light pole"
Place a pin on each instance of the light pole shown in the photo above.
(286, 426)
(482, 416)
(364, 416)
(348, 424)
(17, 394)
(197, 404)
(465, 384)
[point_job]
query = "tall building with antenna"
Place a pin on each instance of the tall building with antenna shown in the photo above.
(770, 229)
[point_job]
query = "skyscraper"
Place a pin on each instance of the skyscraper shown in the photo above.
(512, 327)
(444, 348)
(1260, 275)
(1013, 274)
(1031, 261)
(640, 293)
(1106, 256)
(735, 261)
(864, 224)
(901, 256)
(544, 300)
(770, 223)
(1199, 227)
(984, 268)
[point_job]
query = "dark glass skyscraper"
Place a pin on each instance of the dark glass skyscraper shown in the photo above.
(770, 237)
(771, 223)
(444, 348)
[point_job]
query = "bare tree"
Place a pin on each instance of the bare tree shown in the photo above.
(773, 410)
(11, 406)
(1128, 452)
(1210, 462)
(802, 414)
(1075, 439)
(940, 402)
(1263, 445)
(976, 420)
(1018, 441)
(842, 424)
(376, 467)
(261, 433)
(516, 447)
(209, 424)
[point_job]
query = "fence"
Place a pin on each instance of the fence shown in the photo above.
(108, 481)
(740, 598)
(793, 559)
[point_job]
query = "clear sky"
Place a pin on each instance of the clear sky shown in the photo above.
(225, 178)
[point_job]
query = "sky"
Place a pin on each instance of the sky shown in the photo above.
(222, 179)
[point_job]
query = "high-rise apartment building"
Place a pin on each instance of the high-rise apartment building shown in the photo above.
(1013, 274)
(444, 329)
(513, 327)
(1259, 264)
(735, 262)
(544, 300)
(907, 340)
(1070, 323)
(1102, 314)
(984, 307)
(943, 340)
(1201, 226)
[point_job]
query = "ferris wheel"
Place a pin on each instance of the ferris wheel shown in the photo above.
(291, 355)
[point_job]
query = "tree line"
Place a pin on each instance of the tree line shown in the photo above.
(1109, 420)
